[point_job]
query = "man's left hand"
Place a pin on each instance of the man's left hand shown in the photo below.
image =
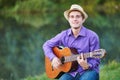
(82, 62)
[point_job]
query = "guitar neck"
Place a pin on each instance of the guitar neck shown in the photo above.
(74, 57)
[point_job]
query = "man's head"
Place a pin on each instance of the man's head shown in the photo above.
(75, 7)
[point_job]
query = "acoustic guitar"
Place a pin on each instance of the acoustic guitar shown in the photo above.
(68, 57)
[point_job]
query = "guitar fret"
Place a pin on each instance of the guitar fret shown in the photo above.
(70, 58)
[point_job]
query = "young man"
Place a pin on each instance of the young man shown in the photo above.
(79, 37)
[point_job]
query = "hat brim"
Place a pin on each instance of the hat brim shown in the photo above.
(66, 13)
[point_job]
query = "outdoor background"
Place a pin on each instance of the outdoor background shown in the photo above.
(26, 24)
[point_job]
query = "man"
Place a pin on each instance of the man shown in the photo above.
(79, 37)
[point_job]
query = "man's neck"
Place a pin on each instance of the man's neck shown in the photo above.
(76, 31)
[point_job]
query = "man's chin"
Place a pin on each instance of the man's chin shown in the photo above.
(76, 27)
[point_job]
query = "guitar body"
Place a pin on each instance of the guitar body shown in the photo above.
(65, 67)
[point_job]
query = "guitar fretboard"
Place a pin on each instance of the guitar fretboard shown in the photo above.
(74, 57)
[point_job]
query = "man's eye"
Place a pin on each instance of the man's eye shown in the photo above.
(78, 16)
(71, 16)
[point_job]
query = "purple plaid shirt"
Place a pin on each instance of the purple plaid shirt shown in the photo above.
(86, 41)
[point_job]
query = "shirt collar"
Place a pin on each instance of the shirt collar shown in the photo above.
(81, 33)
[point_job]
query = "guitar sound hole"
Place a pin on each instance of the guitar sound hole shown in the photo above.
(60, 47)
(62, 60)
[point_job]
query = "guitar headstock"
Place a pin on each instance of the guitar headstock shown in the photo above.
(100, 53)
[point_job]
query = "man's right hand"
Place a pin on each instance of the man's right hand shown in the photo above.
(56, 62)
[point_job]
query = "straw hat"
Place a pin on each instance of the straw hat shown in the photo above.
(75, 7)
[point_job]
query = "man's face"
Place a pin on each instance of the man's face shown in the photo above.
(75, 19)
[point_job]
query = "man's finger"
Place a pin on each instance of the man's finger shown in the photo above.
(81, 55)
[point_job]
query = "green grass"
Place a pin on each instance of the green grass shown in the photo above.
(41, 77)
(109, 71)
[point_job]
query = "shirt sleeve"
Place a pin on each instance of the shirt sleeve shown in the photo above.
(94, 45)
(48, 45)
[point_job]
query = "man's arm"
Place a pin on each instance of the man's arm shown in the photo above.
(94, 45)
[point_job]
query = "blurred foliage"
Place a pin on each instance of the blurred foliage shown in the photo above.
(26, 24)
(50, 10)
(20, 50)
